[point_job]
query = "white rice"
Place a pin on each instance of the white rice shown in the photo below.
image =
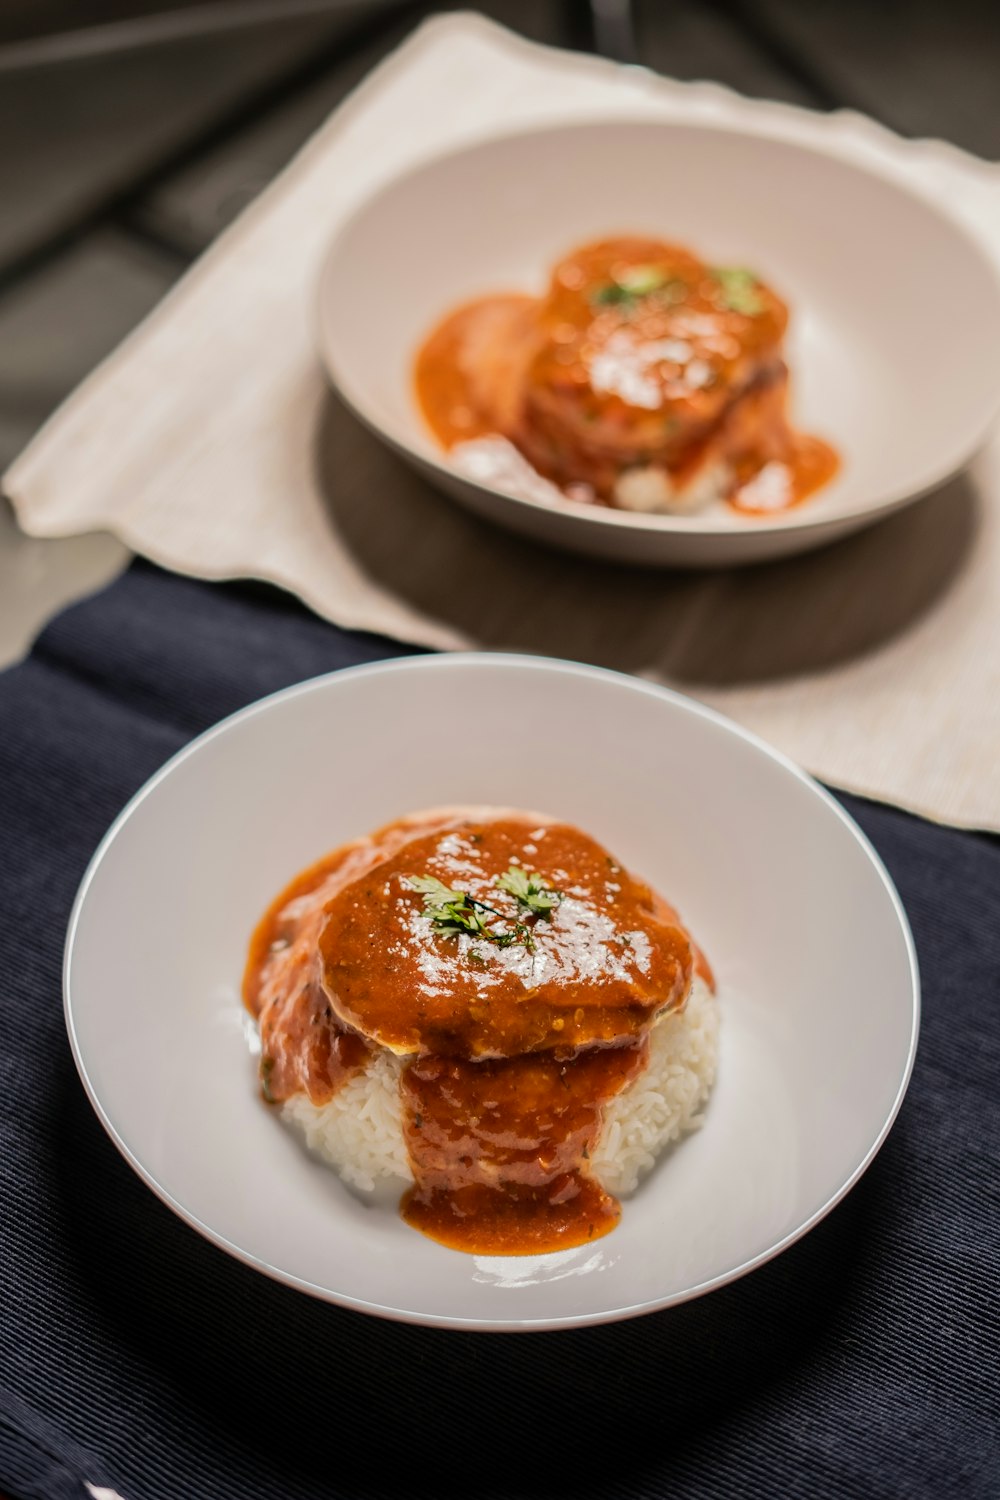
(666, 1100)
(360, 1133)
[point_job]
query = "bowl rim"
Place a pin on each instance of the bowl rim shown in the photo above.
(799, 518)
(449, 661)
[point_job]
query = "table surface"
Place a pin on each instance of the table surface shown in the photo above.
(135, 149)
(127, 162)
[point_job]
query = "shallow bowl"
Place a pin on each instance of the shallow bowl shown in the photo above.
(816, 971)
(895, 310)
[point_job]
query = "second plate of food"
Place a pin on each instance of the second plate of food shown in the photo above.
(491, 992)
(663, 343)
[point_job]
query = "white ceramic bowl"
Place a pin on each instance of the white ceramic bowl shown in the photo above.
(815, 964)
(895, 309)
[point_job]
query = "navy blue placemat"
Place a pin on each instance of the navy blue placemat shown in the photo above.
(863, 1362)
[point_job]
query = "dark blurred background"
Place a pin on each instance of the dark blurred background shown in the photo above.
(134, 130)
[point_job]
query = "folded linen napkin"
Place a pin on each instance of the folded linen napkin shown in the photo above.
(209, 443)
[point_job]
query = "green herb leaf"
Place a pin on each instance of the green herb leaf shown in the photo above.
(435, 892)
(530, 890)
(266, 1069)
(453, 911)
(639, 281)
(611, 295)
(739, 290)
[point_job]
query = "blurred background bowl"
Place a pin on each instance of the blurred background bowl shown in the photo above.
(894, 329)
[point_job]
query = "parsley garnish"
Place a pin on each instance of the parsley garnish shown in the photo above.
(610, 295)
(635, 282)
(453, 912)
(739, 290)
(641, 280)
(266, 1069)
(529, 891)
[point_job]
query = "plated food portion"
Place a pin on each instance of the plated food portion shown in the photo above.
(485, 1006)
(505, 413)
(644, 379)
(810, 1074)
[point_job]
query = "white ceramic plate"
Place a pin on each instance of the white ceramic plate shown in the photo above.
(815, 964)
(895, 309)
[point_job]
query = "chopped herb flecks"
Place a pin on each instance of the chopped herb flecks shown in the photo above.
(611, 295)
(739, 290)
(453, 912)
(628, 286)
(530, 891)
(641, 280)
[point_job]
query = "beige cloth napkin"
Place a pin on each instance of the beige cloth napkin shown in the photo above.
(209, 443)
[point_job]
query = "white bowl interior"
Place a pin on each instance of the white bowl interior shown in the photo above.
(812, 952)
(895, 311)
